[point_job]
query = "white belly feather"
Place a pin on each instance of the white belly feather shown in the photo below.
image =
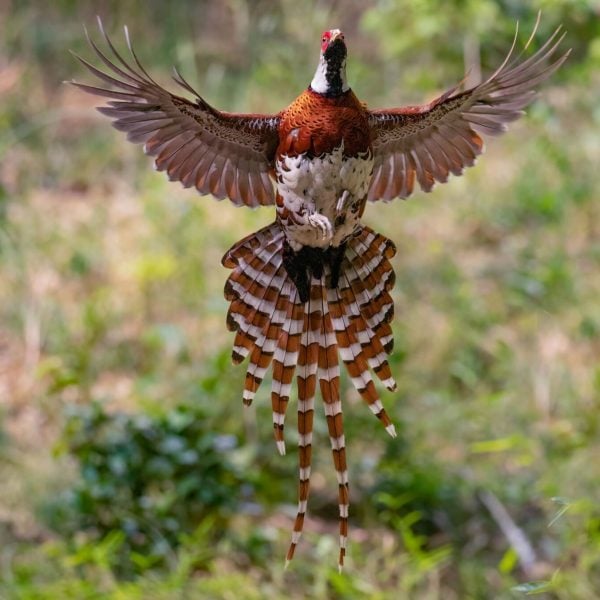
(331, 186)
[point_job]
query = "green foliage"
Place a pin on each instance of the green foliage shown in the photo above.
(144, 482)
(418, 490)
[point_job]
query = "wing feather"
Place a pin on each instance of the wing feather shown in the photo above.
(224, 154)
(429, 141)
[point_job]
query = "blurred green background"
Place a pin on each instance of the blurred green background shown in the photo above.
(128, 466)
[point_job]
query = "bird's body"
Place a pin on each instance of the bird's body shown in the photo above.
(323, 167)
(314, 286)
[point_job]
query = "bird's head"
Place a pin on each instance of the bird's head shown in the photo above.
(333, 42)
(330, 77)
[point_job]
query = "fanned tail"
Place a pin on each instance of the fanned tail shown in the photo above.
(273, 325)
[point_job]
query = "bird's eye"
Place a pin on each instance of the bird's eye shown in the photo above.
(323, 39)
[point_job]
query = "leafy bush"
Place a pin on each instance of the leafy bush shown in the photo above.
(151, 479)
(418, 488)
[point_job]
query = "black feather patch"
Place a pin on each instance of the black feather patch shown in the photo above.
(301, 266)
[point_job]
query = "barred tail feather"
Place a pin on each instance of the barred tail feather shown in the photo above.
(284, 363)
(275, 328)
(329, 383)
(306, 379)
(258, 290)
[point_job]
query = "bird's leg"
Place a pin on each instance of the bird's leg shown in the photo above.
(341, 203)
(303, 224)
(322, 224)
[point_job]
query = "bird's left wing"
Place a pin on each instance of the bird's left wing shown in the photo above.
(425, 143)
(223, 154)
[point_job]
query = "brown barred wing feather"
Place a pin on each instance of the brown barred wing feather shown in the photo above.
(223, 154)
(426, 143)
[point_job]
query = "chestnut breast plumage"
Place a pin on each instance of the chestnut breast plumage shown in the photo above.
(315, 124)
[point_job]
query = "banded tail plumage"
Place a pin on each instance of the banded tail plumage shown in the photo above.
(276, 329)
(314, 286)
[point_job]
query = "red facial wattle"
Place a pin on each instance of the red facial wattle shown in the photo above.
(325, 39)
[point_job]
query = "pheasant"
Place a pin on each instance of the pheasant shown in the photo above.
(314, 285)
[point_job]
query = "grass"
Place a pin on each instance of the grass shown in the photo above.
(111, 296)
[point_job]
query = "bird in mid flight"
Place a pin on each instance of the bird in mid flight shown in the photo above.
(314, 285)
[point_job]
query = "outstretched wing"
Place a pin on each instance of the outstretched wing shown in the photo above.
(224, 154)
(430, 141)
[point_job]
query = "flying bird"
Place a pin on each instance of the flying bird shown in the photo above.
(314, 285)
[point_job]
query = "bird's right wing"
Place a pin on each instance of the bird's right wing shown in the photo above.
(223, 154)
(425, 143)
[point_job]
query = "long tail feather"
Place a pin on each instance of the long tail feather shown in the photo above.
(275, 328)
(306, 380)
(329, 382)
(284, 364)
